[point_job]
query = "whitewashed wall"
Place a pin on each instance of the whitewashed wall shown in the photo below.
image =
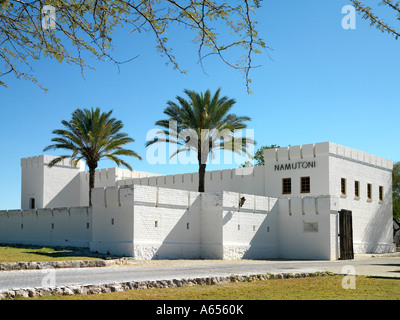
(372, 218)
(167, 223)
(157, 223)
(150, 223)
(277, 160)
(51, 187)
(107, 178)
(66, 227)
(251, 231)
(113, 221)
(64, 185)
(307, 228)
(152, 216)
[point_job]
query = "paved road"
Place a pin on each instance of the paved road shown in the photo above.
(181, 269)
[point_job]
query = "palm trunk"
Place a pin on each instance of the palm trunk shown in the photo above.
(202, 176)
(202, 165)
(92, 171)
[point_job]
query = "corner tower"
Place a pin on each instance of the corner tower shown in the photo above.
(44, 187)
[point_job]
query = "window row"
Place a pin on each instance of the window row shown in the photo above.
(343, 189)
(305, 185)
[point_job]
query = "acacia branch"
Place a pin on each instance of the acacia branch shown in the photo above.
(375, 20)
(88, 26)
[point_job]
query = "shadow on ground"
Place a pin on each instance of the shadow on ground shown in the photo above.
(58, 252)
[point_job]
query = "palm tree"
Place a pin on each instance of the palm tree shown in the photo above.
(92, 135)
(199, 124)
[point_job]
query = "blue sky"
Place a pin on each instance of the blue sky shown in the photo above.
(319, 82)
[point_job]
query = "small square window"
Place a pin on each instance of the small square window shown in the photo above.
(343, 186)
(287, 186)
(369, 191)
(305, 184)
(356, 188)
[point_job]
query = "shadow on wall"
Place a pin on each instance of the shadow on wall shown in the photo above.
(68, 196)
(249, 234)
(195, 234)
(378, 233)
(204, 230)
(263, 245)
(166, 231)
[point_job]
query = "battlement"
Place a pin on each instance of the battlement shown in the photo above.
(187, 179)
(45, 211)
(163, 197)
(142, 195)
(324, 149)
(44, 160)
(117, 174)
(68, 226)
(308, 205)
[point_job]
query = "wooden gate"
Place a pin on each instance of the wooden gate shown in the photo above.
(346, 235)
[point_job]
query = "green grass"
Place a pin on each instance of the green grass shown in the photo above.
(312, 288)
(17, 253)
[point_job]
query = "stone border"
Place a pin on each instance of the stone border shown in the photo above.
(16, 266)
(117, 287)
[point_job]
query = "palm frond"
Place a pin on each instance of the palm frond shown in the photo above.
(90, 135)
(199, 122)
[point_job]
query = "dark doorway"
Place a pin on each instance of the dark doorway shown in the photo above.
(32, 204)
(346, 235)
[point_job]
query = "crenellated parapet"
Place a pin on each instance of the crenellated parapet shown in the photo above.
(324, 149)
(308, 205)
(44, 160)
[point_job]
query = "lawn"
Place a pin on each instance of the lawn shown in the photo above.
(311, 288)
(17, 253)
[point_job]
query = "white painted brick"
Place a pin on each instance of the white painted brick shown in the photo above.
(307, 151)
(296, 205)
(270, 155)
(295, 153)
(309, 204)
(283, 154)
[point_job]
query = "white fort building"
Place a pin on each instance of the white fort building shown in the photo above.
(294, 207)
